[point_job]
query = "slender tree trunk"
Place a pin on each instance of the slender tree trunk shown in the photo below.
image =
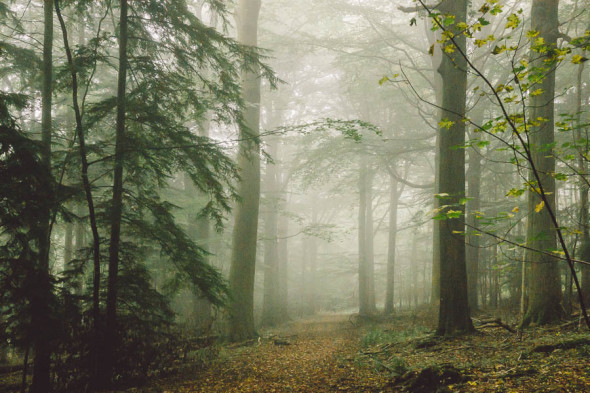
(117, 200)
(310, 289)
(68, 243)
(89, 200)
(42, 293)
(393, 205)
(243, 260)
(283, 246)
(270, 306)
(454, 307)
(370, 257)
(544, 286)
(366, 279)
(473, 205)
(436, 59)
(414, 269)
(582, 170)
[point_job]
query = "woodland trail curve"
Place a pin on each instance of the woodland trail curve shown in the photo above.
(309, 355)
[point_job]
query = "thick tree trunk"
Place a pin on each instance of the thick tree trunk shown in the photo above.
(243, 260)
(454, 307)
(393, 205)
(116, 202)
(40, 317)
(544, 304)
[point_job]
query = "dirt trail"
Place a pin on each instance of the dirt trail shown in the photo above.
(310, 355)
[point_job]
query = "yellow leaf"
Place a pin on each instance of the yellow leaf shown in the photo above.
(540, 206)
(515, 210)
(577, 59)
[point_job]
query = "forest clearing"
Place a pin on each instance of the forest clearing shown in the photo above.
(305, 196)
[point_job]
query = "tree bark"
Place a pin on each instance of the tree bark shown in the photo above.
(117, 200)
(243, 259)
(583, 188)
(454, 308)
(545, 296)
(40, 311)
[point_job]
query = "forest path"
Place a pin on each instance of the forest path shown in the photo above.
(309, 355)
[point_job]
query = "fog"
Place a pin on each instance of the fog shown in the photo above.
(183, 174)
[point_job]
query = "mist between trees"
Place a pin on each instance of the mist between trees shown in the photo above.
(178, 169)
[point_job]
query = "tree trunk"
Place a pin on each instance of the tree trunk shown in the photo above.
(454, 307)
(414, 269)
(117, 201)
(473, 205)
(283, 246)
(582, 170)
(544, 286)
(40, 311)
(243, 259)
(393, 205)
(95, 369)
(270, 306)
(366, 279)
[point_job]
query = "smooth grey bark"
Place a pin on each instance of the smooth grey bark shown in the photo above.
(40, 317)
(544, 305)
(243, 259)
(454, 308)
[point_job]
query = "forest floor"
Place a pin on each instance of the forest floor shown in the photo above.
(340, 353)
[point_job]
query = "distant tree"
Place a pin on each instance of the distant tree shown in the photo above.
(365, 239)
